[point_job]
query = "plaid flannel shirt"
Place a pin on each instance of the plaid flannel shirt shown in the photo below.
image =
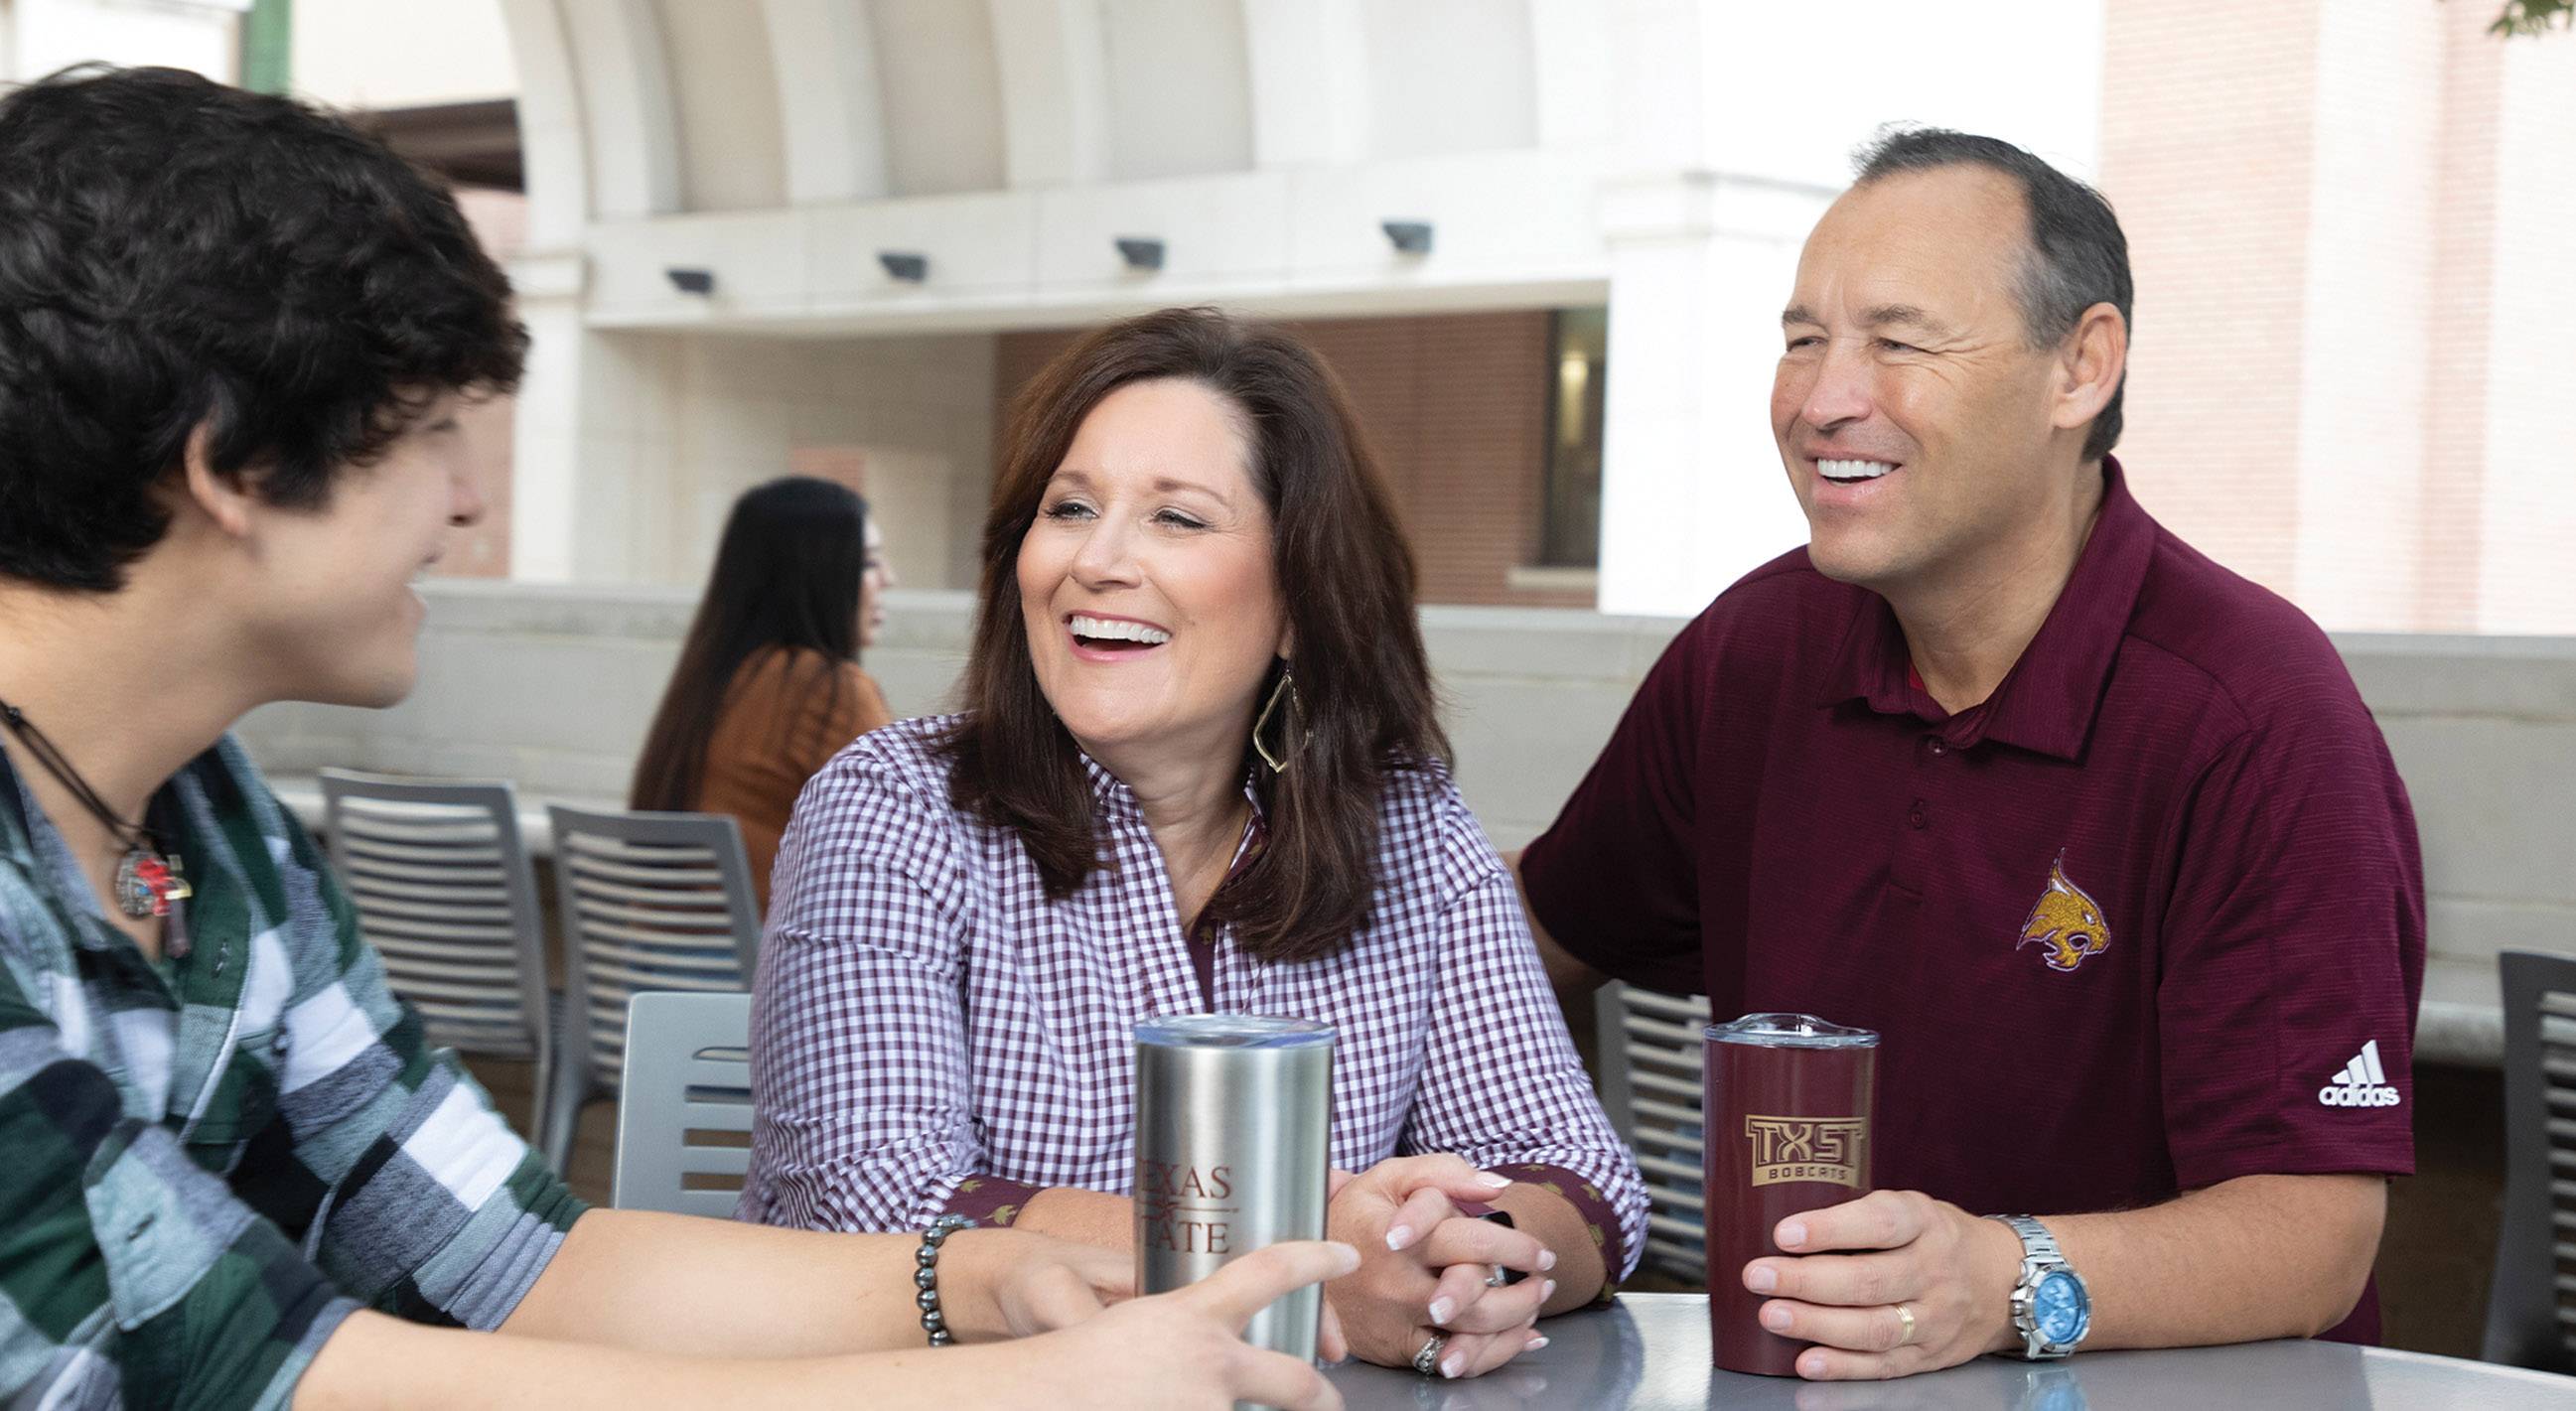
(211, 1162)
(931, 1033)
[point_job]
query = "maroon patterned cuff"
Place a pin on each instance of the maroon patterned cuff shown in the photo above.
(1599, 1219)
(990, 1201)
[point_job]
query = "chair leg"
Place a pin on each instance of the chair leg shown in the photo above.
(540, 1103)
(571, 1089)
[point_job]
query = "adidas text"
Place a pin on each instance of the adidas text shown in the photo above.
(2362, 1083)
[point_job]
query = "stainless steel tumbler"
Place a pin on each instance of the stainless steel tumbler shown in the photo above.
(1233, 1142)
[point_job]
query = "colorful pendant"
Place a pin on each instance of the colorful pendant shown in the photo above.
(146, 884)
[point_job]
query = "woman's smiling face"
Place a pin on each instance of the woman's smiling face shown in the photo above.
(1147, 584)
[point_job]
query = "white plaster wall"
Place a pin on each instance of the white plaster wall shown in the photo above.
(1513, 229)
(732, 146)
(401, 53)
(202, 35)
(2529, 538)
(2368, 312)
(1179, 87)
(553, 687)
(1450, 76)
(942, 93)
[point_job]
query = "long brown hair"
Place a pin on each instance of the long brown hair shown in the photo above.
(1346, 577)
(786, 579)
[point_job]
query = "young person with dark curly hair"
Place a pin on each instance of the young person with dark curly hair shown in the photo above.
(233, 338)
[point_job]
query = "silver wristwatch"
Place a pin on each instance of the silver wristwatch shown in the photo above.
(2051, 1308)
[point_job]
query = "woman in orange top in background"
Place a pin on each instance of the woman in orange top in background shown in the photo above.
(768, 686)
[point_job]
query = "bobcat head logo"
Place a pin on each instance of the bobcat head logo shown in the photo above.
(2067, 925)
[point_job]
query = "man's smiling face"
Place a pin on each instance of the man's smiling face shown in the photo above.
(1911, 412)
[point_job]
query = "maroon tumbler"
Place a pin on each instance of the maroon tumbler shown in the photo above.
(1788, 1131)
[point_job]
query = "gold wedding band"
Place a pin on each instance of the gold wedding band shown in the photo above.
(1905, 1325)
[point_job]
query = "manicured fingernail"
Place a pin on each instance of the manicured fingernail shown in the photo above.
(1490, 1181)
(1399, 1237)
(1776, 1319)
(1546, 1260)
(1548, 1292)
(1349, 1255)
(1760, 1279)
(1537, 1341)
(1441, 1308)
(1453, 1367)
(1792, 1234)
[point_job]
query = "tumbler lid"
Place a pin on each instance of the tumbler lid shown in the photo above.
(1790, 1031)
(1231, 1031)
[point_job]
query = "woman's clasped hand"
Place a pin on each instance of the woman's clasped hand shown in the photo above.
(1427, 1269)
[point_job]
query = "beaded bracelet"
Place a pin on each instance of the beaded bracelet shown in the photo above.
(926, 1278)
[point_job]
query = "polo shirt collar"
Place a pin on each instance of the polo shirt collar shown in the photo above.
(2047, 701)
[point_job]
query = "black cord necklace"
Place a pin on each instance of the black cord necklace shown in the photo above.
(147, 877)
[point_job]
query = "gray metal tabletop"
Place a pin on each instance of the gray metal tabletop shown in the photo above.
(1649, 1352)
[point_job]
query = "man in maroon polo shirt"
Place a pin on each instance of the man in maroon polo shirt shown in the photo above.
(2098, 835)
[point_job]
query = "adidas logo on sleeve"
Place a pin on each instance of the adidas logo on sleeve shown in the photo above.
(2362, 1083)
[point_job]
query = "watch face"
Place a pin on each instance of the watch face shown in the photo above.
(2059, 1307)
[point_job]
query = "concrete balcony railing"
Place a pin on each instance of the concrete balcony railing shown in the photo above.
(552, 687)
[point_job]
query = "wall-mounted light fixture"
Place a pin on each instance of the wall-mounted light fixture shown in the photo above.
(692, 281)
(904, 265)
(1140, 251)
(1409, 237)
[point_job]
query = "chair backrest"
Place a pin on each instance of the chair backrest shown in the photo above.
(2531, 1307)
(445, 893)
(1650, 1053)
(647, 901)
(684, 1115)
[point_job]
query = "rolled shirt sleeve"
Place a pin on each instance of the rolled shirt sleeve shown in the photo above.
(1502, 1085)
(430, 1206)
(858, 1052)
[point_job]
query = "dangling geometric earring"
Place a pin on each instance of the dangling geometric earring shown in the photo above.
(1292, 737)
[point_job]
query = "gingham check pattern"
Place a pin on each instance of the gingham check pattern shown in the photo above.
(924, 1017)
(209, 1165)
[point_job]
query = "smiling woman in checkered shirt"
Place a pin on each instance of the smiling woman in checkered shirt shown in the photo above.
(1199, 770)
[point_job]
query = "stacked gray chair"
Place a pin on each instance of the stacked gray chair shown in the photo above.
(2531, 1308)
(687, 1080)
(444, 892)
(1650, 1054)
(647, 901)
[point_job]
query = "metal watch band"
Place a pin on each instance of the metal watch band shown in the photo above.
(2036, 1241)
(2040, 1258)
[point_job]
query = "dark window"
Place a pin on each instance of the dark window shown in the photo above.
(1578, 367)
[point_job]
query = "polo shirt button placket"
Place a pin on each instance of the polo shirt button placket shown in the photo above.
(1919, 817)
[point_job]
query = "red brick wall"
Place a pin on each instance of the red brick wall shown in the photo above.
(2207, 122)
(2455, 412)
(1455, 406)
